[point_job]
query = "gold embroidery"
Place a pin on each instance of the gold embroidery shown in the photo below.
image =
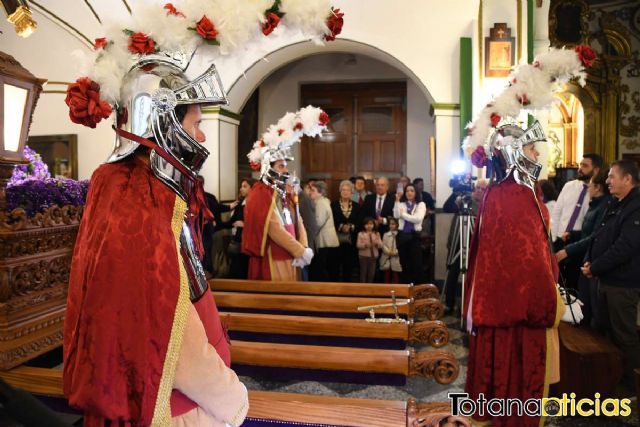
(162, 410)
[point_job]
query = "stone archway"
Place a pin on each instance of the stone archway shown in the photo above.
(243, 86)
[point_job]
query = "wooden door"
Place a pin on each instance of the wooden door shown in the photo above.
(366, 136)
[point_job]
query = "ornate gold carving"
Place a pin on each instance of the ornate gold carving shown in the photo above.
(425, 291)
(14, 356)
(433, 414)
(433, 332)
(429, 308)
(438, 364)
(629, 122)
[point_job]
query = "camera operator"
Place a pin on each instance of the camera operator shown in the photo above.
(465, 199)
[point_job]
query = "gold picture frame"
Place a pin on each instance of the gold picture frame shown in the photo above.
(500, 54)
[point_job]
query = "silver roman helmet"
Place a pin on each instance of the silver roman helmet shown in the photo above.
(507, 146)
(150, 93)
(269, 176)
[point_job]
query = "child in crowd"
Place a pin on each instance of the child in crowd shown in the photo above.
(368, 244)
(390, 259)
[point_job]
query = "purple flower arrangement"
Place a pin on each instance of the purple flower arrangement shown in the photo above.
(35, 169)
(32, 188)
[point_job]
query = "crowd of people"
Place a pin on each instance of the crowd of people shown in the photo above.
(359, 236)
(595, 229)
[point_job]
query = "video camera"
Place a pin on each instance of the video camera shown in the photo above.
(462, 183)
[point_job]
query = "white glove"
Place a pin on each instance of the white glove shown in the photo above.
(307, 256)
(574, 307)
(304, 260)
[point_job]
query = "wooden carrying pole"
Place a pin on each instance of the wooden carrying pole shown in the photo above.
(297, 408)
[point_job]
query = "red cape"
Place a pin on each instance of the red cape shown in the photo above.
(510, 272)
(511, 285)
(257, 212)
(126, 305)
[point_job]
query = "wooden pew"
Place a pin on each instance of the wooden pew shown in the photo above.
(286, 407)
(432, 332)
(339, 289)
(429, 308)
(439, 365)
(589, 363)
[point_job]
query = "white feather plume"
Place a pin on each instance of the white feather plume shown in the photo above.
(287, 131)
(310, 16)
(238, 24)
(532, 87)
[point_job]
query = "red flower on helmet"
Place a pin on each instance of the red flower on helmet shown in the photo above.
(171, 10)
(479, 157)
(141, 43)
(495, 119)
(254, 165)
(298, 126)
(100, 43)
(272, 22)
(324, 119)
(334, 23)
(207, 30)
(586, 54)
(85, 106)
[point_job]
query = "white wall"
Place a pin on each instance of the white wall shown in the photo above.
(280, 93)
(421, 35)
(47, 54)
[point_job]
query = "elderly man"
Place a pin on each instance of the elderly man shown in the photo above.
(379, 205)
(614, 259)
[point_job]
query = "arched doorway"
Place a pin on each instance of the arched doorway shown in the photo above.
(278, 84)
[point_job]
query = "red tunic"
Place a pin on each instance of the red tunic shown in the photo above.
(511, 292)
(256, 243)
(126, 303)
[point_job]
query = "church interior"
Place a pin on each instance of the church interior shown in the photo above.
(348, 332)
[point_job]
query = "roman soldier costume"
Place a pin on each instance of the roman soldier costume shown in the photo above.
(143, 340)
(512, 301)
(274, 236)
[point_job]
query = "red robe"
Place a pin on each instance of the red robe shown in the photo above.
(128, 302)
(511, 292)
(269, 260)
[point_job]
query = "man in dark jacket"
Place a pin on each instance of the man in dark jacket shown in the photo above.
(614, 258)
(577, 243)
(379, 206)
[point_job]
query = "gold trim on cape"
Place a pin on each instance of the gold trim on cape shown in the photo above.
(162, 410)
(547, 365)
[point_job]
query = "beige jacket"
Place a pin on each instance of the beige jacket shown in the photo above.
(327, 236)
